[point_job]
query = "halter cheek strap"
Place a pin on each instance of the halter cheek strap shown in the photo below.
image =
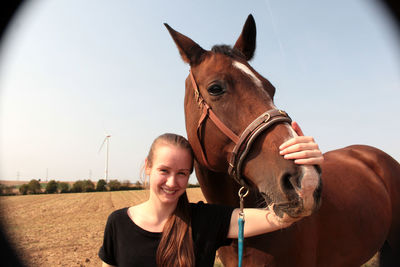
(208, 112)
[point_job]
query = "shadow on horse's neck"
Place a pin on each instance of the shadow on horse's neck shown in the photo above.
(220, 188)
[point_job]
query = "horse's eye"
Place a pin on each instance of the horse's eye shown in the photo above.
(215, 90)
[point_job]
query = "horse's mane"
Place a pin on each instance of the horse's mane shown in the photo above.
(228, 51)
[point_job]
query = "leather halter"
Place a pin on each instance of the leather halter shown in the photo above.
(244, 141)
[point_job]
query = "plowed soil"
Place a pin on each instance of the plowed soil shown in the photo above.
(65, 229)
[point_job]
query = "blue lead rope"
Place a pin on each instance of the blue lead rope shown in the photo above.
(240, 240)
(241, 226)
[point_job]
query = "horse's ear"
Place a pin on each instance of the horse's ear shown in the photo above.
(190, 51)
(246, 42)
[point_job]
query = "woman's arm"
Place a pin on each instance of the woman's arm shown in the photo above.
(258, 221)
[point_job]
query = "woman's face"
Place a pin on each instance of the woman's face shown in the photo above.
(169, 172)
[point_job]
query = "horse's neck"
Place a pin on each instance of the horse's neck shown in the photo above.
(220, 188)
(217, 188)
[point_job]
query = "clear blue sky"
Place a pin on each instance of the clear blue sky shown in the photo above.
(72, 70)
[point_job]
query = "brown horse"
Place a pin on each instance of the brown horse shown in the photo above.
(235, 131)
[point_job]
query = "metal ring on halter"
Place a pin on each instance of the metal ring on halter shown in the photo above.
(240, 192)
(241, 202)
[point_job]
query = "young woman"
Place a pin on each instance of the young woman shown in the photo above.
(167, 230)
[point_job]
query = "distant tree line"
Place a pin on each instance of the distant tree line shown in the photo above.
(6, 190)
(80, 186)
(193, 185)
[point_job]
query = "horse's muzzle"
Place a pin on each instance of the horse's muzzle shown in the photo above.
(302, 190)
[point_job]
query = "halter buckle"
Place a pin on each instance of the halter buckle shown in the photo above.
(283, 112)
(267, 117)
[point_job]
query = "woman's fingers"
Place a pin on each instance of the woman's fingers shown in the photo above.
(303, 154)
(299, 147)
(310, 161)
(303, 150)
(312, 157)
(309, 157)
(296, 140)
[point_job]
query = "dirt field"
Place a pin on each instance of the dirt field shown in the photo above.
(67, 229)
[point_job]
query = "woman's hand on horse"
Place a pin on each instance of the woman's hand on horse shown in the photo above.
(302, 149)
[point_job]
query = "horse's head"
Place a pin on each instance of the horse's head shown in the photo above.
(224, 99)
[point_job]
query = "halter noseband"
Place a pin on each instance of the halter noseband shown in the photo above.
(242, 143)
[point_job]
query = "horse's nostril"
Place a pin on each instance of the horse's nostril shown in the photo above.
(290, 182)
(286, 182)
(295, 180)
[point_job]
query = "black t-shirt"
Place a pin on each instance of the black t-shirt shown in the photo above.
(126, 244)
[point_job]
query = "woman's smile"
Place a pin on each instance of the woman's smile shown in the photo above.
(169, 191)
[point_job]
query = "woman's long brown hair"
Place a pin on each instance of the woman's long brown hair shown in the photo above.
(176, 245)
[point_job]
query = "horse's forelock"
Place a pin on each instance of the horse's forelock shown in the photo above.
(228, 51)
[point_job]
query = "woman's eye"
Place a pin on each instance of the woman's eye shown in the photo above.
(215, 90)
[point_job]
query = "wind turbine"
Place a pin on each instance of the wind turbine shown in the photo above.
(107, 142)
